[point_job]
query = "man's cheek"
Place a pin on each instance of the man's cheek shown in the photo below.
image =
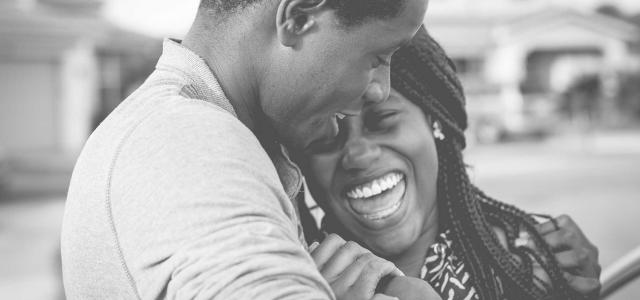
(354, 87)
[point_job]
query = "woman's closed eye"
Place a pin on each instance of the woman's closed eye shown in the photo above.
(380, 120)
(324, 145)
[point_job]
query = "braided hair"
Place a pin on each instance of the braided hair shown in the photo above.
(423, 74)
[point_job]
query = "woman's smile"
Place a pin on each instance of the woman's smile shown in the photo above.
(378, 199)
(368, 176)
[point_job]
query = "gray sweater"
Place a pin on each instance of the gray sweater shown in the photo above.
(173, 197)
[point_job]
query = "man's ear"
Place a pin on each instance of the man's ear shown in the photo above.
(295, 18)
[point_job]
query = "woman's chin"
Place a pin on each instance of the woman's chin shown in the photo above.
(391, 245)
(389, 252)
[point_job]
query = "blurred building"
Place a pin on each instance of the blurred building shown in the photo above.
(61, 67)
(515, 61)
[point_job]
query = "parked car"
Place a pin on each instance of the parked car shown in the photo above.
(488, 123)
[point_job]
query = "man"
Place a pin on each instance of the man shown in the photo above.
(185, 190)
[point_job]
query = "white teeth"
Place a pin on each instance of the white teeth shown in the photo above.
(367, 192)
(388, 183)
(375, 187)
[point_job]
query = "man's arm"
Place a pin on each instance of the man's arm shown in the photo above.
(355, 273)
(200, 213)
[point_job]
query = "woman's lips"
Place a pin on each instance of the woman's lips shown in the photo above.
(381, 204)
(375, 187)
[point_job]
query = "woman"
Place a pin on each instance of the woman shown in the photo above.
(394, 180)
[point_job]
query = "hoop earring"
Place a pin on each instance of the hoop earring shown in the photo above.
(437, 131)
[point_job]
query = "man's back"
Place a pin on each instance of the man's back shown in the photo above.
(174, 197)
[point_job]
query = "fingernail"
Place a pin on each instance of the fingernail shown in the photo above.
(313, 246)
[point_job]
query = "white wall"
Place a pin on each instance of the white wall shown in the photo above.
(47, 105)
(79, 95)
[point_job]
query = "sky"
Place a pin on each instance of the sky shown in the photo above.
(160, 18)
(171, 18)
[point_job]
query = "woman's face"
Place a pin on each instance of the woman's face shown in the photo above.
(378, 176)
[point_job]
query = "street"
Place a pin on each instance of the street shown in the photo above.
(596, 181)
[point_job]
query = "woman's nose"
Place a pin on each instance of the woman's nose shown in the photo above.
(359, 154)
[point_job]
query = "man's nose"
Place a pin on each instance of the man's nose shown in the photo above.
(378, 89)
(359, 154)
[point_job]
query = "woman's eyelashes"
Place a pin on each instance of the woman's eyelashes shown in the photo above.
(380, 120)
(327, 144)
(373, 121)
(323, 146)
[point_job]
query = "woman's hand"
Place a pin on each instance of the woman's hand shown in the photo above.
(577, 257)
(352, 271)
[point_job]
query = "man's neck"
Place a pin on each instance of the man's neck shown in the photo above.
(228, 56)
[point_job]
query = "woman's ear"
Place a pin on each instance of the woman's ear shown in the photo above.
(295, 18)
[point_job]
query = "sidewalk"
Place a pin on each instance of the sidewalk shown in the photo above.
(29, 243)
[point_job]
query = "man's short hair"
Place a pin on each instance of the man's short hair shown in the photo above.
(356, 12)
(349, 12)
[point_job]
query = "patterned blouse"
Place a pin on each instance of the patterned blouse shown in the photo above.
(446, 273)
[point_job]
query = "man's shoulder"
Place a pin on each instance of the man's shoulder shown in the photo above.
(184, 111)
(184, 119)
(192, 126)
(171, 125)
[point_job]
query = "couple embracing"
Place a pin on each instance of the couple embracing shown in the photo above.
(193, 187)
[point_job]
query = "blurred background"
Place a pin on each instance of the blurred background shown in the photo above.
(553, 92)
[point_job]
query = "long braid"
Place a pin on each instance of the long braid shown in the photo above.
(447, 193)
(478, 243)
(423, 74)
(522, 219)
